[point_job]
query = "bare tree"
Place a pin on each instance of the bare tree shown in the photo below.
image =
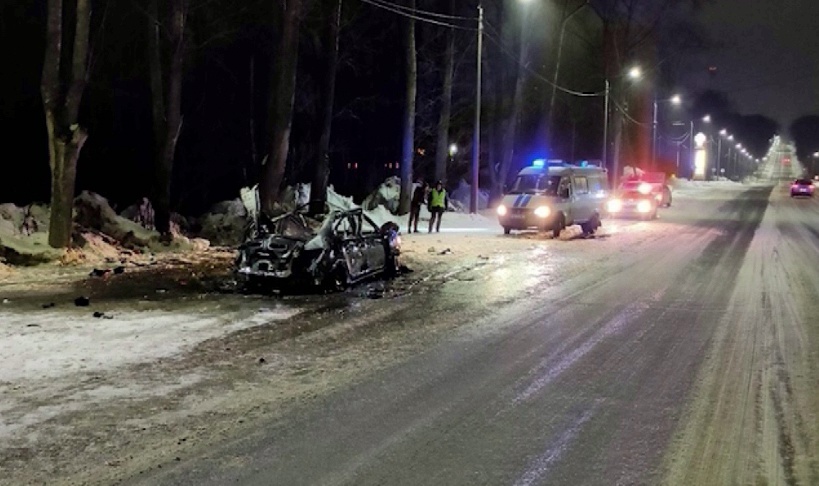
(441, 151)
(61, 103)
(318, 192)
(283, 88)
(408, 144)
(166, 96)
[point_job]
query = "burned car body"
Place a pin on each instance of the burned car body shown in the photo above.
(343, 248)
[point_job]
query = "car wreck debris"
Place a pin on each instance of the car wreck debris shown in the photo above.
(343, 248)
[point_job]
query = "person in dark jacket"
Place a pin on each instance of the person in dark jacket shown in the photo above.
(438, 202)
(419, 195)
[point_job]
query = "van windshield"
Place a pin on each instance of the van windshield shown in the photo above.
(526, 184)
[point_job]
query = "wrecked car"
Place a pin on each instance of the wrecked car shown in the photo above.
(342, 249)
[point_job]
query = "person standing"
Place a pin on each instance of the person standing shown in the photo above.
(438, 202)
(419, 195)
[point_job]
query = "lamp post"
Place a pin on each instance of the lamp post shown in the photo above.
(676, 100)
(722, 134)
(476, 136)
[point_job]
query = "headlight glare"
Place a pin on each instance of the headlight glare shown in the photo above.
(644, 206)
(543, 212)
(615, 206)
(502, 210)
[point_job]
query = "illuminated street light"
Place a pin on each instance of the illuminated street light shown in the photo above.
(676, 99)
(453, 149)
(635, 73)
(707, 118)
(730, 138)
(723, 132)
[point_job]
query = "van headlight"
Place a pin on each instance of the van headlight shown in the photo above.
(502, 210)
(644, 206)
(614, 206)
(543, 211)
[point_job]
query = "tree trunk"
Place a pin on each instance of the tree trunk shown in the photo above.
(173, 117)
(510, 131)
(283, 89)
(61, 104)
(442, 150)
(408, 146)
(321, 176)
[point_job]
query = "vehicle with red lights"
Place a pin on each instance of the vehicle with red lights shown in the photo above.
(650, 183)
(802, 187)
(633, 204)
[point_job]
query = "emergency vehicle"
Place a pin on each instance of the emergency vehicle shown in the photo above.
(553, 195)
(653, 183)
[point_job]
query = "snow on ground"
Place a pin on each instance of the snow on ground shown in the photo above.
(86, 360)
(48, 344)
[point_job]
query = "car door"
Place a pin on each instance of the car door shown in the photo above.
(353, 254)
(580, 199)
(371, 236)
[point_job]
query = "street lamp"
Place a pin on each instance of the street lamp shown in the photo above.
(635, 73)
(707, 118)
(453, 149)
(675, 100)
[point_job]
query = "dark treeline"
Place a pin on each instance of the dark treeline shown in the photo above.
(230, 65)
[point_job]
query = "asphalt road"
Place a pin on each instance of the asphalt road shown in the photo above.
(694, 362)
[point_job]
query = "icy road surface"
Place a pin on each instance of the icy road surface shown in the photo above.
(688, 357)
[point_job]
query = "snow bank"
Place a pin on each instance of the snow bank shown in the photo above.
(461, 197)
(387, 194)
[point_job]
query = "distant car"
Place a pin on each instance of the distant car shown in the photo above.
(345, 248)
(802, 187)
(633, 204)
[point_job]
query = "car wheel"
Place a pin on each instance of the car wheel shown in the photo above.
(337, 280)
(559, 224)
(507, 230)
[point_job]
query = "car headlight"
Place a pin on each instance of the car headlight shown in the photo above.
(615, 206)
(644, 188)
(543, 212)
(502, 210)
(644, 207)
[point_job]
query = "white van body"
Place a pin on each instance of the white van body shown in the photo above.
(552, 197)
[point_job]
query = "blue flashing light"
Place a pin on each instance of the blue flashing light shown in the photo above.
(539, 163)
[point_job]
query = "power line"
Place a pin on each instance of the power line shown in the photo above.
(539, 76)
(391, 8)
(420, 12)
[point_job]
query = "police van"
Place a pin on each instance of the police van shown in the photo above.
(553, 195)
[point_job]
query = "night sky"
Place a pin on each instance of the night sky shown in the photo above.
(768, 60)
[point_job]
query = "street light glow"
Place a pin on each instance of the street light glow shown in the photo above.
(723, 132)
(453, 149)
(635, 72)
(676, 99)
(707, 118)
(731, 138)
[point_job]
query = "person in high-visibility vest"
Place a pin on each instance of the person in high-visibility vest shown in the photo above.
(438, 202)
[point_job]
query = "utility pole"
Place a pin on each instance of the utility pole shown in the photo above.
(476, 137)
(654, 137)
(606, 125)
